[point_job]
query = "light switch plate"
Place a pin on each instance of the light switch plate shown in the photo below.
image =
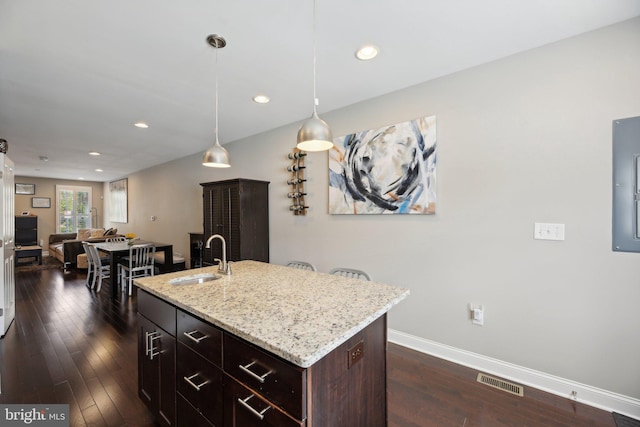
(545, 231)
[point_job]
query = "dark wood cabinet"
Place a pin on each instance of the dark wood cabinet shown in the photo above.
(26, 230)
(238, 210)
(200, 375)
(157, 357)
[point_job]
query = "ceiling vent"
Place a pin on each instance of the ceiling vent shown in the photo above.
(501, 384)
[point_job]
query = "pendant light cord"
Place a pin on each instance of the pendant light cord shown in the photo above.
(216, 96)
(315, 99)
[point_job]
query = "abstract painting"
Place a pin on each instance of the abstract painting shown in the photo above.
(390, 170)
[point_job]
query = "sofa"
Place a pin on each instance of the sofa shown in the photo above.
(66, 247)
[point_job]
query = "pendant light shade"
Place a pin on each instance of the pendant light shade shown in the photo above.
(314, 134)
(216, 156)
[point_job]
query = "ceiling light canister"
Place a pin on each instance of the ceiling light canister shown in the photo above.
(367, 52)
(261, 99)
(216, 156)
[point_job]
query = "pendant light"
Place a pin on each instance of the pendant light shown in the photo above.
(314, 134)
(216, 156)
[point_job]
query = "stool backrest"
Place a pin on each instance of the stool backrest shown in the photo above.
(350, 273)
(301, 265)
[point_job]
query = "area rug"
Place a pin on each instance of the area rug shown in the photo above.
(48, 263)
(624, 421)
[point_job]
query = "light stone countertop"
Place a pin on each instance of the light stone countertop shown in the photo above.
(298, 315)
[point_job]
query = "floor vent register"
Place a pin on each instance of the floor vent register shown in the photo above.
(501, 384)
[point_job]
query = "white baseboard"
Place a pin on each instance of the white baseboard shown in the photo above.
(586, 394)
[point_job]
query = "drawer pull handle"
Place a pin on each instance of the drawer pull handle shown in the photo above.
(246, 369)
(147, 342)
(194, 385)
(259, 414)
(150, 350)
(194, 339)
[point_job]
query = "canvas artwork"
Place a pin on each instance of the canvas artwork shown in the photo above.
(118, 209)
(390, 170)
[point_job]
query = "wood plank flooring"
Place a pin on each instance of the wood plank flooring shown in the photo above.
(69, 345)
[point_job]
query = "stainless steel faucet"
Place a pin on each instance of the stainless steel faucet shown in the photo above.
(223, 265)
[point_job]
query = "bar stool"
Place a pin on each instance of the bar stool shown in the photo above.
(302, 265)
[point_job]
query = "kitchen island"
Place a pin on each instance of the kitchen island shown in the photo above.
(266, 346)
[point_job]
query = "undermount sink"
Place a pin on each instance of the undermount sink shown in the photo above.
(194, 279)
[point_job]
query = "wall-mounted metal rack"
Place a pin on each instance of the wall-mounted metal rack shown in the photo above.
(296, 182)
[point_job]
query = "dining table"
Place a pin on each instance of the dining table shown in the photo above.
(119, 250)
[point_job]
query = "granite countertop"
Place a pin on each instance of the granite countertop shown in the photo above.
(298, 315)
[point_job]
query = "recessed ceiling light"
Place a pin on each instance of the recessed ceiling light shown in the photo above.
(81, 178)
(261, 99)
(367, 52)
(94, 153)
(141, 125)
(99, 170)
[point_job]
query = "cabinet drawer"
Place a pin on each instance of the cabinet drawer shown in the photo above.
(200, 336)
(281, 382)
(158, 311)
(188, 416)
(244, 408)
(200, 383)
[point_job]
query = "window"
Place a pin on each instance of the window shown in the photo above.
(73, 208)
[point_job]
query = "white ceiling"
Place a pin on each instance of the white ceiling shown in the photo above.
(76, 74)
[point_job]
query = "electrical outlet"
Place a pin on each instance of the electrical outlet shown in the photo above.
(477, 315)
(356, 353)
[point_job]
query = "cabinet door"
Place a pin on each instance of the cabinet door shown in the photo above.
(167, 373)
(244, 408)
(156, 371)
(148, 379)
(232, 221)
(213, 220)
(221, 216)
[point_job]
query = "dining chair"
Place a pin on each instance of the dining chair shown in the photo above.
(350, 273)
(140, 263)
(302, 265)
(117, 239)
(90, 274)
(179, 262)
(98, 267)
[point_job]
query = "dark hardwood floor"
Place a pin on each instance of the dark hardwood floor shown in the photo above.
(69, 345)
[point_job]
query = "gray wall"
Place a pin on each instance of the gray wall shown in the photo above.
(521, 140)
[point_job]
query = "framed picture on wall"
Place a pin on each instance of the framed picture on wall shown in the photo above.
(387, 170)
(25, 188)
(118, 208)
(41, 202)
